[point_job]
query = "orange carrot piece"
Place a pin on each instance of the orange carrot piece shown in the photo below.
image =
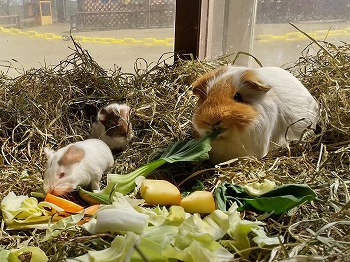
(65, 204)
(71, 207)
(89, 211)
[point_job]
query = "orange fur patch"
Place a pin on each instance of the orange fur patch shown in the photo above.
(200, 85)
(73, 155)
(251, 78)
(220, 109)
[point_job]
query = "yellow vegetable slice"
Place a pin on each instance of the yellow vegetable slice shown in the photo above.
(202, 202)
(160, 192)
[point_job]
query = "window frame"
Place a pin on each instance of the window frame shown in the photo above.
(187, 29)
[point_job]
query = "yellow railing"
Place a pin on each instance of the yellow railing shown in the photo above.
(100, 40)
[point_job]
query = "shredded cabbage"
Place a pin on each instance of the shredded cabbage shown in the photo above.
(22, 212)
(120, 250)
(37, 255)
(158, 233)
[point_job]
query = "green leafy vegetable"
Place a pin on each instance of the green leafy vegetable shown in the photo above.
(37, 255)
(65, 223)
(92, 198)
(4, 254)
(126, 183)
(118, 217)
(121, 250)
(198, 239)
(193, 150)
(278, 200)
(239, 232)
(119, 220)
(23, 212)
(150, 249)
(172, 234)
(161, 215)
(226, 194)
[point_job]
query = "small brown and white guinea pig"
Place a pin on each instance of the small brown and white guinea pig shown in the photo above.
(113, 126)
(82, 163)
(254, 108)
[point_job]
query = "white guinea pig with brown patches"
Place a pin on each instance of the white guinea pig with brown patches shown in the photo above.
(254, 108)
(113, 126)
(78, 164)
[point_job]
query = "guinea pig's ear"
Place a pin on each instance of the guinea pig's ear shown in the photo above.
(251, 79)
(48, 152)
(201, 88)
(73, 155)
(102, 114)
(124, 111)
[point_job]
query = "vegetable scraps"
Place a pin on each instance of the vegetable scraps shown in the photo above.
(201, 202)
(68, 206)
(163, 193)
(121, 250)
(162, 234)
(13, 255)
(21, 212)
(158, 233)
(172, 233)
(193, 150)
(278, 200)
(160, 192)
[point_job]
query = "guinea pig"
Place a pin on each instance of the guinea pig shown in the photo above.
(82, 163)
(113, 126)
(254, 109)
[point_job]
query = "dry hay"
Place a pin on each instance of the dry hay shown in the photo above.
(53, 106)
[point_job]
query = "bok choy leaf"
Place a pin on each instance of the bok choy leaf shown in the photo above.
(278, 200)
(193, 150)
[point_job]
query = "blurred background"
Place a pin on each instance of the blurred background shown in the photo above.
(117, 33)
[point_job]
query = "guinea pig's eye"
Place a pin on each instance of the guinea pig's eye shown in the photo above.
(61, 175)
(238, 97)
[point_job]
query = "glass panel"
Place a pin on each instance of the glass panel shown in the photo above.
(276, 42)
(261, 28)
(229, 28)
(115, 32)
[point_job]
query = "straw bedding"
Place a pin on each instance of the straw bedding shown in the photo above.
(53, 106)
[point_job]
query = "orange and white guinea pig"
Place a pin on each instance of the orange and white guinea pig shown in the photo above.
(253, 108)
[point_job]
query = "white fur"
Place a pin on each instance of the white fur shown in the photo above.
(287, 102)
(98, 157)
(99, 131)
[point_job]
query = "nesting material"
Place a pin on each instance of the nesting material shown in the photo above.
(54, 106)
